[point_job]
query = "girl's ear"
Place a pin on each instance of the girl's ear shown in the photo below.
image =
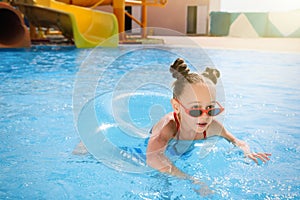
(175, 105)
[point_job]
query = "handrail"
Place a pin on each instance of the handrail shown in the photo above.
(134, 19)
(96, 4)
(146, 3)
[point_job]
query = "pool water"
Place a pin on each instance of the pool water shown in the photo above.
(39, 112)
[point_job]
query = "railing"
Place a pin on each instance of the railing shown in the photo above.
(136, 3)
(146, 2)
(97, 4)
(143, 3)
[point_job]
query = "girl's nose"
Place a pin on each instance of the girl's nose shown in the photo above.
(204, 115)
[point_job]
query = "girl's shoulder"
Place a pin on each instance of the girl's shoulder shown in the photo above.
(166, 126)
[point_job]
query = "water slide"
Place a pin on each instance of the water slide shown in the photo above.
(14, 33)
(88, 27)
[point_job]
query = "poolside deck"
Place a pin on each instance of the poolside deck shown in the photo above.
(290, 45)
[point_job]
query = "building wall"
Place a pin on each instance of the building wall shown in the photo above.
(174, 15)
(210, 21)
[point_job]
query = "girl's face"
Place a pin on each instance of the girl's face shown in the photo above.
(200, 95)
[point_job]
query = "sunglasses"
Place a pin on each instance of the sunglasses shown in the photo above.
(197, 112)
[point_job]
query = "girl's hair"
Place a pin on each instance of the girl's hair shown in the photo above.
(182, 73)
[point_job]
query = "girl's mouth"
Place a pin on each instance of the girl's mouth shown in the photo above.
(202, 125)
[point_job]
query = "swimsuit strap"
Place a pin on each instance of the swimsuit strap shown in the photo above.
(177, 121)
(177, 124)
(204, 134)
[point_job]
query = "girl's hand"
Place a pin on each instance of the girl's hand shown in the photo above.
(203, 189)
(262, 156)
(253, 156)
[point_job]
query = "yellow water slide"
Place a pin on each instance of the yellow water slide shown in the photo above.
(87, 27)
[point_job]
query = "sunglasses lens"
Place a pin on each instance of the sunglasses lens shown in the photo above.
(214, 112)
(195, 113)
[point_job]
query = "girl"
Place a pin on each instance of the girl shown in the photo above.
(194, 104)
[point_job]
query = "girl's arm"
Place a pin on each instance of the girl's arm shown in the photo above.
(157, 159)
(219, 129)
(156, 151)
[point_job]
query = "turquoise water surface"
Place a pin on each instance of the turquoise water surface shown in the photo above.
(43, 90)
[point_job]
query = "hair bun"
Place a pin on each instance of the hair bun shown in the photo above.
(212, 74)
(179, 68)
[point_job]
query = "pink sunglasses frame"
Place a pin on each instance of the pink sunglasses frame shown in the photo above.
(202, 110)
